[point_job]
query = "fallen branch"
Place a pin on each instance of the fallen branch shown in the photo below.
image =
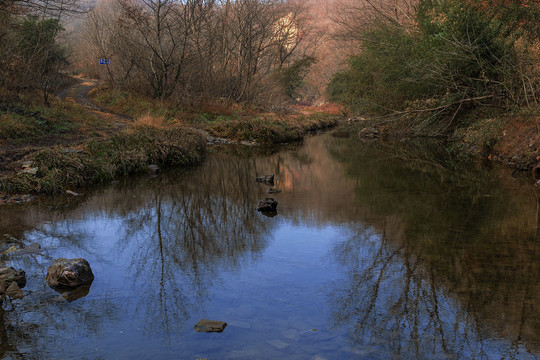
(460, 102)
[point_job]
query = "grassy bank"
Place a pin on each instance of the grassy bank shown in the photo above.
(162, 133)
(230, 121)
(129, 152)
(23, 123)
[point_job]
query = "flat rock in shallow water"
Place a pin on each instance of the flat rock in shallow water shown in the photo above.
(278, 344)
(206, 325)
(240, 324)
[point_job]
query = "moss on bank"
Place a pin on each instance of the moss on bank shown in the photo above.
(125, 153)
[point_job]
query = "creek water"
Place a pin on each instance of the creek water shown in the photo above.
(377, 252)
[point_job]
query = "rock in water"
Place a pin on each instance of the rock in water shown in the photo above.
(267, 205)
(10, 275)
(266, 179)
(69, 273)
(206, 325)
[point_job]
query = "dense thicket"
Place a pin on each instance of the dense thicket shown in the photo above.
(244, 50)
(453, 56)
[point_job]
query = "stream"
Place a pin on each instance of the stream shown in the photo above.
(376, 252)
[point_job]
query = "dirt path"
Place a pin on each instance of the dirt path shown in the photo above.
(78, 93)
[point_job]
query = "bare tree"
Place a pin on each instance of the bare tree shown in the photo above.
(353, 17)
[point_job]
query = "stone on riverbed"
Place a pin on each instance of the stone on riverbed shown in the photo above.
(206, 325)
(267, 205)
(69, 273)
(10, 275)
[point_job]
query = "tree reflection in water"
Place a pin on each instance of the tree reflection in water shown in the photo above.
(440, 261)
(175, 236)
(447, 271)
(187, 233)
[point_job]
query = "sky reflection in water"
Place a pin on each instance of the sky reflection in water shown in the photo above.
(375, 254)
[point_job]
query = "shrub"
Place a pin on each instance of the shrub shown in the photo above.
(458, 56)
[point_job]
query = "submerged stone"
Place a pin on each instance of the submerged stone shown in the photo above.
(33, 248)
(278, 344)
(206, 325)
(69, 273)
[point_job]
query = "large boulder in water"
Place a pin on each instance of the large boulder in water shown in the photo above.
(69, 273)
(9, 275)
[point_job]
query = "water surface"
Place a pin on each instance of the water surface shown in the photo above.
(377, 252)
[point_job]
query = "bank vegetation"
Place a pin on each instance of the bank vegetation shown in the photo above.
(442, 67)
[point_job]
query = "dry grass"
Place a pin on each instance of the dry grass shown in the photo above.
(271, 128)
(149, 120)
(221, 119)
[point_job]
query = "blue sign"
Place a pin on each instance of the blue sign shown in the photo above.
(104, 61)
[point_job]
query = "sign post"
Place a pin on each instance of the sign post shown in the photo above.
(106, 62)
